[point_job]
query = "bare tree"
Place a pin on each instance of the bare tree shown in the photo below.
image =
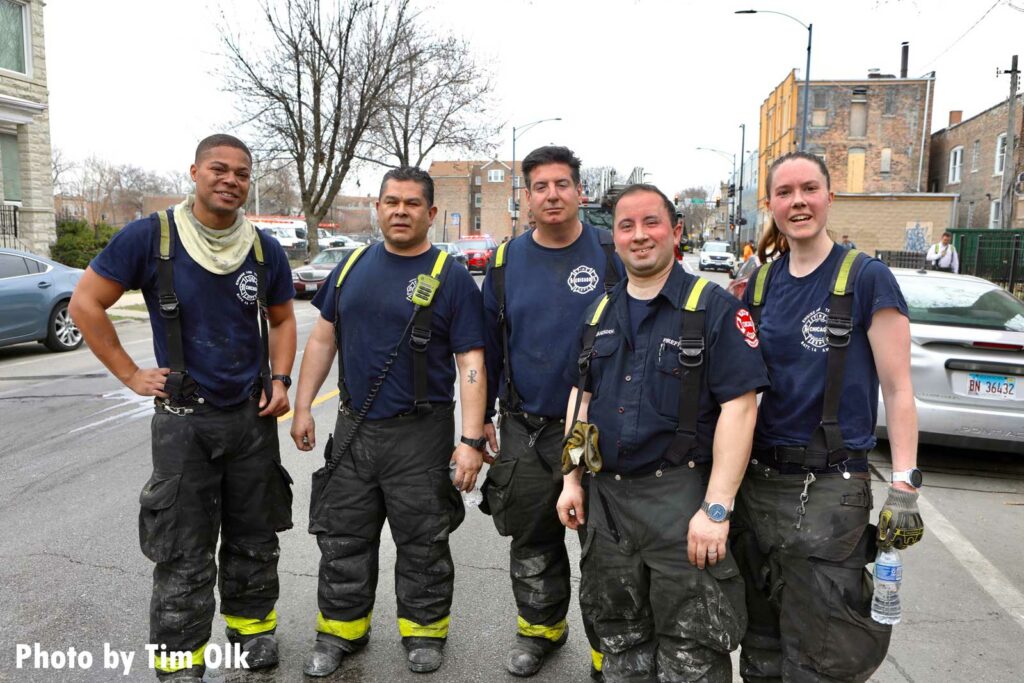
(277, 189)
(441, 101)
(63, 168)
(695, 213)
(312, 93)
(98, 182)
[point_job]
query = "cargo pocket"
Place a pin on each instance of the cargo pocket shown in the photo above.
(158, 520)
(279, 492)
(497, 493)
(454, 510)
(852, 644)
(724, 603)
(320, 478)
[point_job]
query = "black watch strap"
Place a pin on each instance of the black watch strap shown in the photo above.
(285, 380)
(478, 444)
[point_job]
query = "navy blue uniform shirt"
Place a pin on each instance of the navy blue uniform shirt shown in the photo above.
(219, 325)
(634, 378)
(546, 292)
(376, 306)
(793, 343)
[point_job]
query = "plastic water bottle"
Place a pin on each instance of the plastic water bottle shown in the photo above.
(885, 603)
(471, 499)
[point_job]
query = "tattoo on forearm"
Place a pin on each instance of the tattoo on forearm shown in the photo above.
(472, 376)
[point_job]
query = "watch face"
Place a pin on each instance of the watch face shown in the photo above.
(717, 512)
(916, 478)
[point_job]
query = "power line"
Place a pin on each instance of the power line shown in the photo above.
(973, 26)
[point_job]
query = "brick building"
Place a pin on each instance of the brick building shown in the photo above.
(899, 221)
(26, 181)
(473, 198)
(969, 158)
(872, 133)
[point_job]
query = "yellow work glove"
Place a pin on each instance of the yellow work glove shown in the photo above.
(581, 448)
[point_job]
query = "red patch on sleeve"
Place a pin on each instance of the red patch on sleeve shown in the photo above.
(745, 324)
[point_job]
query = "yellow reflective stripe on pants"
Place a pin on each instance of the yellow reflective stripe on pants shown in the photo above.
(349, 630)
(439, 629)
(596, 658)
(536, 631)
(169, 662)
(244, 626)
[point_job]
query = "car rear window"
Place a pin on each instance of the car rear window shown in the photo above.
(331, 256)
(962, 303)
(474, 244)
(716, 247)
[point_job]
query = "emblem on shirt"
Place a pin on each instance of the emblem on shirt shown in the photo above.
(410, 288)
(812, 327)
(247, 287)
(583, 280)
(745, 324)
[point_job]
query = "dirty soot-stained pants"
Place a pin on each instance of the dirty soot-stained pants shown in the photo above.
(397, 469)
(522, 490)
(808, 591)
(216, 471)
(658, 618)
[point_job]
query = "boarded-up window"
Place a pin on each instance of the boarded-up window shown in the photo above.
(890, 102)
(855, 170)
(885, 166)
(819, 118)
(858, 119)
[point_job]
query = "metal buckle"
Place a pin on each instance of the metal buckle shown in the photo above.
(176, 410)
(583, 362)
(419, 338)
(838, 329)
(168, 305)
(691, 352)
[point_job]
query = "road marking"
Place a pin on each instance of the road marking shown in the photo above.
(317, 401)
(991, 580)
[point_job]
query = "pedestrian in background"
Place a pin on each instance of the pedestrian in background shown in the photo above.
(669, 374)
(748, 250)
(943, 255)
(396, 315)
(833, 327)
(848, 243)
(219, 296)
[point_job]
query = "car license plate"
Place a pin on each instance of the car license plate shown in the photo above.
(311, 286)
(1001, 387)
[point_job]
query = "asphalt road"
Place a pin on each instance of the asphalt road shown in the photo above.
(74, 452)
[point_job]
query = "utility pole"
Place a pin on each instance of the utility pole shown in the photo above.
(739, 189)
(1006, 189)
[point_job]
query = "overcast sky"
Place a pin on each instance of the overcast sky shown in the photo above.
(636, 82)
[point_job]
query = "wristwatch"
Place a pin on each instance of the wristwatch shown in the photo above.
(716, 512)
(285, 380)
(478, 444)
(913, 476)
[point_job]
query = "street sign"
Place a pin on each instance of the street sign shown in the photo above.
(696, 201)
(456, 219)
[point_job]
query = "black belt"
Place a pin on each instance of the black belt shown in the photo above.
(652, 468)
(804, 457)
(346, 409)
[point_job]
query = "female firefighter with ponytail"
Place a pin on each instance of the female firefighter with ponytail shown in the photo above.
(833, 329)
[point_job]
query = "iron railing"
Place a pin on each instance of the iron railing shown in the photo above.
(901, 259)
(9, 227)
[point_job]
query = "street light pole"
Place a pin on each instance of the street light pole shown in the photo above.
(739, 188)
(732, 178)
(515, 135)
(807, 70)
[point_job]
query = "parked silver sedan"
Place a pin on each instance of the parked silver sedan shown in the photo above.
(967, 339)
(34, 295)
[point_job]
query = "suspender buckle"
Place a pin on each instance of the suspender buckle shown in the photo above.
(583, 362)
(419, 337)
(838, 330)
(691, 352)
(168, 305)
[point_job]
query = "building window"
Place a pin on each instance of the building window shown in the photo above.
(889, 108)
(970, 215)
(820, 97)
(956, 162)
(14, 36)
(858, 119)
(1000, 154)
(11, 167)
(855, 170)
(478, 200)
(496, 176)
(995, 215)
(885, 165)
(975, 154)
(477, 180)
(819, 118)
(517, 181)
(476, 223)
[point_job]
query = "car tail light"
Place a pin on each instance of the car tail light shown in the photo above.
(995, 346)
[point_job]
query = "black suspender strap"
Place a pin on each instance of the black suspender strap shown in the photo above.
(692, 360)
(826, 445)
(343, 395)
(611, 273)
(419, 336)
(514, 402)
(264, 313)
(170, 310)
(596, 313)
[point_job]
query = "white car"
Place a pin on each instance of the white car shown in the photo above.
(966, 361)
(717, 256)
(288, 238)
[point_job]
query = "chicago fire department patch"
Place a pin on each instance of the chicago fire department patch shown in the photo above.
(745, 324)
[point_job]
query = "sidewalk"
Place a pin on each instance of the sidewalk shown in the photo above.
(133, 298)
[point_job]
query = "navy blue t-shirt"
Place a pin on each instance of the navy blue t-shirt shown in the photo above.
(546, 292)
(375, 309)
(219, 324)
(793, 343)
(634, 379)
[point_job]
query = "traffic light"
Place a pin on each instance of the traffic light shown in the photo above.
(718, 203)
(732, 190)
